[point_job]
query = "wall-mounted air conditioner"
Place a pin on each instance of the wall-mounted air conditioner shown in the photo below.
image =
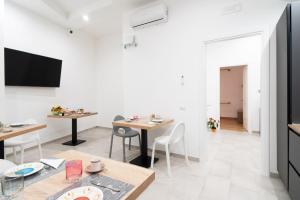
(149, 15)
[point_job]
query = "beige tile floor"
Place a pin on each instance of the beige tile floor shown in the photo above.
(231, 172)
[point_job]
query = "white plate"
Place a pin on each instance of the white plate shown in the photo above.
(26, 169)
(157, 120)
(83, 193)
(16, 125)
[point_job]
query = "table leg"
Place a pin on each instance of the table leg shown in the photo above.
(74, 141)
(2, 149)
(143, 160)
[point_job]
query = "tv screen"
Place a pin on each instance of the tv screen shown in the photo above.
(26, 69)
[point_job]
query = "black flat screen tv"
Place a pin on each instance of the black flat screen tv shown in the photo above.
(26, 69)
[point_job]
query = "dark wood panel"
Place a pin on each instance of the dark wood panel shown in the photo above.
(294, 182)
(295, 63)
(282, 97)
(294, 150)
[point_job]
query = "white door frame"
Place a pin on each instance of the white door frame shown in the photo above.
(265, 92)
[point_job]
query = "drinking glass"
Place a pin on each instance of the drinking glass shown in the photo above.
(73, 170)
(12, 187)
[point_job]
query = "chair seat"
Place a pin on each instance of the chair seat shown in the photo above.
(162, 140)
(17, 142)
(5, 165)
(131, 133)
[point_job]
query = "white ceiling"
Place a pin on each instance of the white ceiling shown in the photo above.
(105, 16)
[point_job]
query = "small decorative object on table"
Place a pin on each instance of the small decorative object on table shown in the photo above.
(57, 110)
(1, 126)
(80, 111)
(212, 124)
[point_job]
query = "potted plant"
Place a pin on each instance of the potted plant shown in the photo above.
(212, 124)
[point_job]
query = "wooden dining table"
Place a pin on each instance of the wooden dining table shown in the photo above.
(139, 177)
(145, 125)
(17, 132)
(74, 117)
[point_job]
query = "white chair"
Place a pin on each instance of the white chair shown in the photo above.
(177, 135)
(5, 165)
(21, 141)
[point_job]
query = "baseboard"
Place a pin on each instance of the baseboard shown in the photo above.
(274, 175)
(159, 151)
(56, 139)
(191, 158)
(258, 132)
(109, 128)
(79, 132)
(229, 118)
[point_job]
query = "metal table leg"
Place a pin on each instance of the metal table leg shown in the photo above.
(74, 141)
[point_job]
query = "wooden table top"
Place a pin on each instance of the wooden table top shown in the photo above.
(295, 128)
(140, 177)
(142, 123)
(73, 116)
(21, 130)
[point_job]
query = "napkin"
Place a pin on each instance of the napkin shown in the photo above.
(53, 162)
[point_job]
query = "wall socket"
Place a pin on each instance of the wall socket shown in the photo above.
(182, 108)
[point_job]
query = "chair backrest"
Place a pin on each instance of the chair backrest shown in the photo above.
(177, 132)
(5, 165)
(116, 128)
(29, 136)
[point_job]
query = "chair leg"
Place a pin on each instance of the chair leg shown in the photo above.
(40, 149)
(22, 154)
(38, 141)
(129, 144)
(124, 156)
(111, 144)
(153, 154)
(185, 153)
(168, 159)
(15, 154)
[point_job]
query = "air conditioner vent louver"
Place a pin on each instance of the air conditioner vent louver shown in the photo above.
(148, 16)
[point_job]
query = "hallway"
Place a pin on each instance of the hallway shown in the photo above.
(231, 124)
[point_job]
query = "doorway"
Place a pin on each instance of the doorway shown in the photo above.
(232, 95)
(243, 53)
(247, 51)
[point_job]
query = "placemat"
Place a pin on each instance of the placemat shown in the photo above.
(43, 174)
(104, 180)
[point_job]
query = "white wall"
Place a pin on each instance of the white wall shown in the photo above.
(28, 32)
(231, 91)
(110, 93)
(236, 52)
(152, 70)
(273, 104)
